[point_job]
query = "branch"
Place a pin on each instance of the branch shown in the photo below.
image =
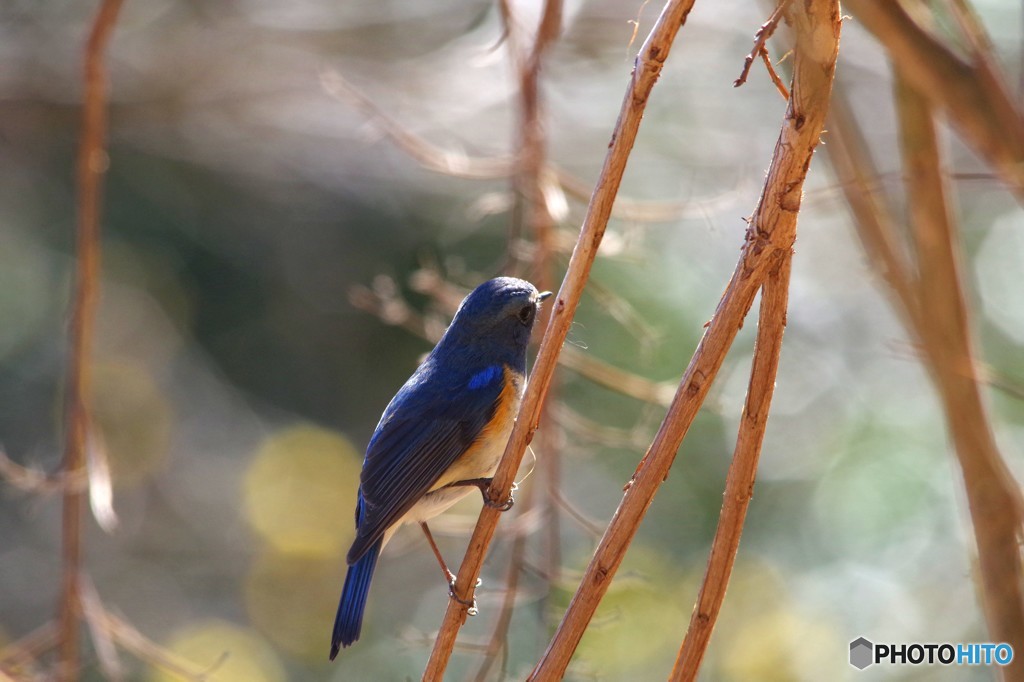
(534, 189)
(761, 36)
(739, 484)
(19, 656)
(499, 636)
(779, 85)
(460, 165)
(91, 166)
(993, 496)
(934, 311)
(426, 154)
(973, 94)
(768, 244)
(648, 67)
(848, 153)
(36, 481)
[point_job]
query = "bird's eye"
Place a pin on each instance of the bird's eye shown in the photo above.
(526, 313)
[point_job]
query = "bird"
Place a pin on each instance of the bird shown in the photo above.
(442, 434)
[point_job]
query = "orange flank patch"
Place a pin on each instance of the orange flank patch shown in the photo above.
(481, 458)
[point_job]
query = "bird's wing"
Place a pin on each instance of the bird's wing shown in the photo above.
(413, 446)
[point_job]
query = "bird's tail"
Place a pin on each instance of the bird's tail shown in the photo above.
(349, 620)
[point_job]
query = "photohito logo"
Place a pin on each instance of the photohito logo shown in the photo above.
(864, 652)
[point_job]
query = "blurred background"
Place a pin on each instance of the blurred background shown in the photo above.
(275, 266)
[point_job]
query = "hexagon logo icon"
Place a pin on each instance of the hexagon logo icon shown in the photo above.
(861, 651)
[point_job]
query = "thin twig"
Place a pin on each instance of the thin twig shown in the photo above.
(125, 634)
(589, 526)
(460, 165)
(769, 240)
(649, 211)
(739, 484)
(37, 481)
(95, 618)
(26, 650)
(616, 379)
(591, 430)
(761, 36)
(91, 167)
(779, 85)
(648, 67)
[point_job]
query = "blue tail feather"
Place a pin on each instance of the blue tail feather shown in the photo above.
(349, 620)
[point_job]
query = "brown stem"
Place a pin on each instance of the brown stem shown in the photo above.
(499, 636)
(739, 483)
(91, 166)
(972, 94)
(993, 497)
(933, 308)
(769, 240)
(648, 67)
(761, 36)
(848, 153)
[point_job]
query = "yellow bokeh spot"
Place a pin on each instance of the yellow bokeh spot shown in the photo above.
(133, 420)
(763, 634)
(291, 598)
(300, 491)
(782, 644)
(222, 652)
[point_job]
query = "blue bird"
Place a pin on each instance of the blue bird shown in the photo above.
(442, 434)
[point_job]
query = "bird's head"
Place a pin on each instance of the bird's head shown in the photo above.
(499, 311)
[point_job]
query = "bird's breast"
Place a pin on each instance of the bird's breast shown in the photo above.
(481, 458)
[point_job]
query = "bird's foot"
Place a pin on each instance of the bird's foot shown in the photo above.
(470, 604)
(483, 484)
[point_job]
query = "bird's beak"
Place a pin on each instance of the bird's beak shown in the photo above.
(544, 295)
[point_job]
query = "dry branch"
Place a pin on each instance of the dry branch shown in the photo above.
(993, 496)
(91, 167)
(461, 165)
(934, 310)
(768, 243)
(848, 154)
(533, 213)
(972, 94)
(22, 654)
(761, 36)
(739, 484)
(648, 67)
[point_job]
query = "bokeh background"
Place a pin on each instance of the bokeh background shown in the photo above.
(237, 383)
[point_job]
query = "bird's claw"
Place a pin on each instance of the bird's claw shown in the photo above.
(501, 506)
(470, 604)
(483, 484)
